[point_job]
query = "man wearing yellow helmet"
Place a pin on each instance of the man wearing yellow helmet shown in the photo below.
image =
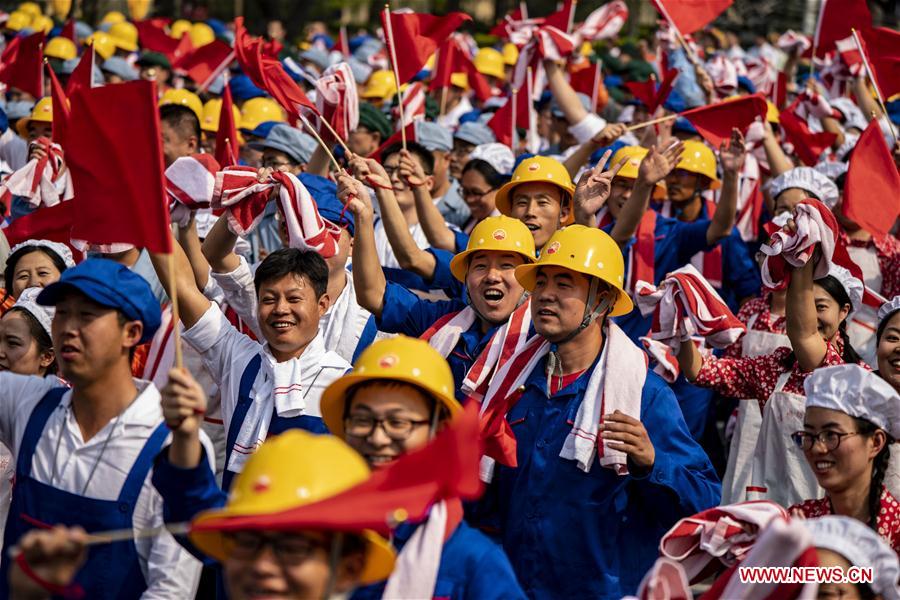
(460, 330)
(604, 462)
(179, 126)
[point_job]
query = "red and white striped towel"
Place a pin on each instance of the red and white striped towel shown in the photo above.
(413, 98)
(666, 580)
(604, 395)
(685, 304)
(604, 23)
(509, 339)
(338, 100)
(666, 362)
(815, 226)
(244, 198)
(444, 334)
(43, 181)
(715, 539)
(190, 183)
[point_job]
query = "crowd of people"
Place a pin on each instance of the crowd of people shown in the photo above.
(669, 347)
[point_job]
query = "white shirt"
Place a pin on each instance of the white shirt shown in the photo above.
(450, 119)
(383, 246)
(227, 352)
(170, 571)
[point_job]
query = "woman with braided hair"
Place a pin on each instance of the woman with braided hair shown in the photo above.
(852, 416)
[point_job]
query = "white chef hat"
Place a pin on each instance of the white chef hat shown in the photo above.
(862, 547)
(857, 392)
(853, 116)
(28, 301)
(497, 155)
(832, 169)
(61, 250)
(851, 284)
(888, 308)
(808, 180)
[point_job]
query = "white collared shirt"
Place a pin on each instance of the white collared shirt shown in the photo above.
(170, 571)
(227, 352)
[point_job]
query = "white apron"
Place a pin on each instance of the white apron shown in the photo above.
(739, 470)
(863, 323)
(780, 471)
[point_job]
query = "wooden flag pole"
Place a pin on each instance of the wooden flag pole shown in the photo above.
(815, 48)
(596, 91)
(328, 126)
(871, 76)
(512, 139)
(120, 535)
(176, 317)
(571, 22)
(315, 134)
(651, 122)
(389, 34)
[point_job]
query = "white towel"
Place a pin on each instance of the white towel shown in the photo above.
(287, 392)
(415, 571)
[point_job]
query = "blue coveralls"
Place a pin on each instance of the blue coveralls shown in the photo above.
(112, 570)
(571, 534)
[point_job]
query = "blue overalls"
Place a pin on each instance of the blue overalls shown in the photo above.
(112, 570)
(277, 425)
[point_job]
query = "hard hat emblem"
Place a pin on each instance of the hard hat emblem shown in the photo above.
(554, 248)
(534, 166)
(388, 360)
(499, 234)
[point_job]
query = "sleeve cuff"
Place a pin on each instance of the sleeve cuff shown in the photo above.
(587, 128)
(236, 280)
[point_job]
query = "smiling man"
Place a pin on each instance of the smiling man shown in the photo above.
(459, 330)
(274, 386)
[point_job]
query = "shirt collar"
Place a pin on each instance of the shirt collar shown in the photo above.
(145, 411)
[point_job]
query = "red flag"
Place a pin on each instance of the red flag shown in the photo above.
(870, 191)
(21, 65)
(52, 223)
(690, 15)
(649, 94)
(410, 487)
(562, 18)
(807, 145)
(343, 42)
(836, 19)
(83, 75)
(68, 30)
(715, 121)
(395, 139)
(226, 134)
(453, 59)
(502, 121)
(154, 38)
(115, 155)
(413, 38)
(60, 109)
(881, 50)
(267, 73)
(207, 62)
(500, 30)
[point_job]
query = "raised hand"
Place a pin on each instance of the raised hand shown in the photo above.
(354, 195)
(733, 152)
(656, 165)
(594, 187)
(183, 403)
(411, 171)
(609, 134)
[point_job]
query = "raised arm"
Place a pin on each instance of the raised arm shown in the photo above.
(582, 155)
(800, 318)
(191, 301)
(779, 162)
(368, 278)
(218, 247)
(431, 219)
(565, 95)
(864, 98)
(190, 243)
(731, 154)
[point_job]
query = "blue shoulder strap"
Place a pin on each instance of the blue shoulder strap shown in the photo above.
(243, 405)
(35, 428)
(366, 337)
(131, 489)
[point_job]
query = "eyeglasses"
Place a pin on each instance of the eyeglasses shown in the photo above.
(396, 428)
(289, 549)
(829, 439)
(275, 164)
(474, 194)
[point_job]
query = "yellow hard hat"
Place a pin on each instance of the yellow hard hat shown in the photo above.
(496, 234)
(460, 80)
(381, 84)
(404, 359)
(179, 28)
(635, 154)
(138, 9)
(103, 44)
(62, 48)
(272, 482)
(537, 169)
(698, 158)
(201, 34)
(211, 112)
(185, 98)
(60, 8)
(32, 9)
(18, 21)
(113, 17)
(586, 250)
(41, 23)
(489, 61)
(260, 110)
(125, 36)
(42, 112)
(510, 54)
(772, 113)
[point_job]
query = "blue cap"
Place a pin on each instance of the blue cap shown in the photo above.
(244, 89)
(290, 140)
(682, 124)
(317, 56)
(744, 82)
(598, 154)
(218, 27)
(475, 133)
(18, 109)
(121, 67)
(324, 192)
(263, 129)
(472, 115)
(324, 38)
(433, 136)
(111, 284)
(82, 30)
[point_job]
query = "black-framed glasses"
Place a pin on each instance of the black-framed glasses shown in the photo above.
(830, 439)
(396, 428)
(474, 194)
(289, 549)
(275, 164)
